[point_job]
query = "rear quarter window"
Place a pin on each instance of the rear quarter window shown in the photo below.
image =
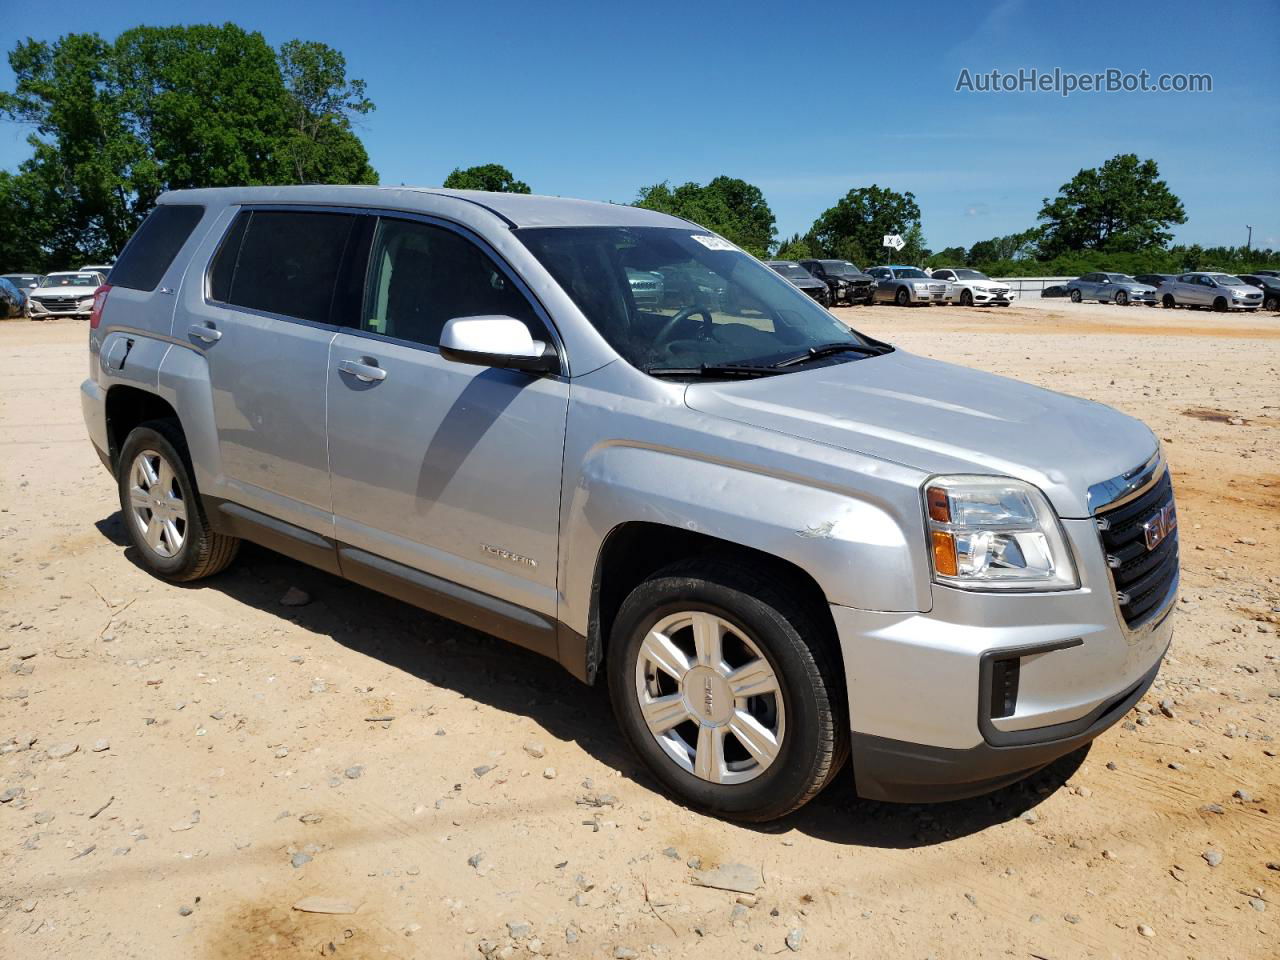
(149, 253)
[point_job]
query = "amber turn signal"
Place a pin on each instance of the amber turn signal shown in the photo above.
(944, 553)
(939, 505)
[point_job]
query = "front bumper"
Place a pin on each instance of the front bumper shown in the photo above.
(36, 308)
(984, 296)
(920, 684)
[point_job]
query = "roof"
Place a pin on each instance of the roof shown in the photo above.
(518, 209)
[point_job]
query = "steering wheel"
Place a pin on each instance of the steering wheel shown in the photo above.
(669, 327)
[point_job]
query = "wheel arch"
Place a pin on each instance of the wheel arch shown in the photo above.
(128, 406)
(635, 550)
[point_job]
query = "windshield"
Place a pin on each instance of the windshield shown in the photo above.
(719, 306)
(909, 273)
(840, 268)
(1119, 278)
(1227, 280)
(71, 280)
(971, 275)
(793, 271)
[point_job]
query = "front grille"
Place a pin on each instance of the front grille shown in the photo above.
(1142, 577)
(57, 303)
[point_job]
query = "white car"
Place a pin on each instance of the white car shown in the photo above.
(102, 268)
(974, 286)
(67, 294)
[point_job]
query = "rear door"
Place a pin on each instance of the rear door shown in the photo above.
(444, 468)
(264, 326)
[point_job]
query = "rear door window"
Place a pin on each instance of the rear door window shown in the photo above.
(283, 262)
(148, 255)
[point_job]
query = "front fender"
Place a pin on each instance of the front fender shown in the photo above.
(862, 551)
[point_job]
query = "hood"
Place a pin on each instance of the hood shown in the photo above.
(855, 277)
(71, 290)
(806, 283)
(942, 419)
(1139, 287)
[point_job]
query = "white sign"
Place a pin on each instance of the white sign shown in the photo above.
(894, 240)
(712, 243)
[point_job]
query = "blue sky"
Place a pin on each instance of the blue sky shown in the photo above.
(597, 99)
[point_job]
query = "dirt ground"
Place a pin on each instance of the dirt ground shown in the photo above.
(232, 755)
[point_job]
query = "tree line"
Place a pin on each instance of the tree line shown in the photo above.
(116, 123)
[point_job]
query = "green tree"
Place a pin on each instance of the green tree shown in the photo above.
(946, 257)
(733, 208)
(794, 247)
(320, 102)
(1013, 246)
(855, 227)
(493, 177)
(114, 124)
(1122, 205)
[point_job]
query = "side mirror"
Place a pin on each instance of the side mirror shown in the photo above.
(502, 342)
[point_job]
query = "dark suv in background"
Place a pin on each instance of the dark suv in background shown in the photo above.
(846, 282)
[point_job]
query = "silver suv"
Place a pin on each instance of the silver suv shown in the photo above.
(781, 543)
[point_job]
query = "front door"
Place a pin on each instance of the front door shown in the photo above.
(442, 467)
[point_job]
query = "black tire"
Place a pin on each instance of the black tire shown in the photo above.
(203, 551)
(797, 646)
(1272, 302)
(902, 298)
(1220, 305)
(1075, 296)
(1122, 298)
(966, 298)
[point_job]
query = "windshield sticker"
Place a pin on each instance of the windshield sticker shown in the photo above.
(713, 243)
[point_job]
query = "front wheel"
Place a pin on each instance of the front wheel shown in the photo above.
(727, 687)
(1075, 296)
(1122, 298)
(1220, 305)
(162, 511)
(1271, 303)
(903, 299)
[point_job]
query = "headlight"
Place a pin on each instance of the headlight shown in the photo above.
(995, 533)
(86, 303)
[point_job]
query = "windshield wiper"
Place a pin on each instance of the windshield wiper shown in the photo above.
(727, 370)
(830, 349)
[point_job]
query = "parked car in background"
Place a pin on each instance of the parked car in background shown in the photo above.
(12, 300)
(1054, 290)
(803, 279)
(974, 286)
(908, 286)
(1211, 291)
(1270, 287)
(646, 288)
(24, 281)
(780, 543)
(1267, 273)
(65, 294)
(846, 283)
(1153, 279)
(1118, 288)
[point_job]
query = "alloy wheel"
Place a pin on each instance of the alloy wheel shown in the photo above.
(709, 697)
(156, 504)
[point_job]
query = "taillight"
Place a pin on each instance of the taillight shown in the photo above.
(99, 301)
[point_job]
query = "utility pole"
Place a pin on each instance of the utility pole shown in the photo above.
(1248, 245)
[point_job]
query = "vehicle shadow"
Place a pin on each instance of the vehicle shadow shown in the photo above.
(508, 678)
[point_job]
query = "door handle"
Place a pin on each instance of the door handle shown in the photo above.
(366, 369)
(205, 331)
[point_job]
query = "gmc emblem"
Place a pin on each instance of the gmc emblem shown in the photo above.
(1155, 530)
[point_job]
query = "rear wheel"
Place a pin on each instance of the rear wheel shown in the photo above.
(727, 687)
(1272, 302)
(966, 298)
(162, 510)
(1075, 296)
(1168, 302)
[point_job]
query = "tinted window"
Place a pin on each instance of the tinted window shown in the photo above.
(422, 276)
(285, 262)
(147, 256)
